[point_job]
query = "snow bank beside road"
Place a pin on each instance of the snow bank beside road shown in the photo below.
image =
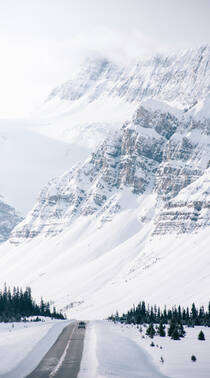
(111, 352)
(22, 347)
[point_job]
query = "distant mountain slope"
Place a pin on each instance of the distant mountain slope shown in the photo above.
(8, 220)
(28, 160)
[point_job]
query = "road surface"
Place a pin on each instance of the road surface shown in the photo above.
(64, 357)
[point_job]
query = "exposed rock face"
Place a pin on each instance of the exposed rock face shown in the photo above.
(155, 152)
(8, 220)
(183, 78)
(189, 211)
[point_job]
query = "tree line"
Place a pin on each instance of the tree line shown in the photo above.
(17, 303)
(143, 313)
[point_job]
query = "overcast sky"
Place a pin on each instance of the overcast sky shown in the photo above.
(42, 40)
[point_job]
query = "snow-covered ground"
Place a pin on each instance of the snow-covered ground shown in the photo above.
(23, 345)
(115, 350)
(111, 351)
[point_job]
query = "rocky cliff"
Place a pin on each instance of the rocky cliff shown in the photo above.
(154, 153)
(188, 211)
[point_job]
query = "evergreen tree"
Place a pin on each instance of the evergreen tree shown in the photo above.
(201, 336)
(150, 331)
(181, 330)
(172, 327)
(142, 313)
(19, 303)
(161, 329)
(175, 335)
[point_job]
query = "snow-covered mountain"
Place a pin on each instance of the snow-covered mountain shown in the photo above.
(122, 225)
(8, 219)
(154, 153)
(107, 226)
(182, 79)
(102, 94)
(78, 115)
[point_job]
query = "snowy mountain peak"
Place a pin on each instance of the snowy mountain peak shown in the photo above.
(83, 80)
(181, 79)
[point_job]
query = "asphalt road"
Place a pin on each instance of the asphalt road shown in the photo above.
(64, 357)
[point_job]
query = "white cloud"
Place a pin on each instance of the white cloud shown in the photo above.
(30, 69)
(114, 45)
(42, 42)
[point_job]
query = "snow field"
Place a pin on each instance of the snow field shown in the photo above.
(118, 350)
(176, 353)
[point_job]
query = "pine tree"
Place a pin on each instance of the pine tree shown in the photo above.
(161, 330)
(175, 335)
(172, 327)
(150, 331)
(181, 330)
(19, 304)
(201, 336)
(174, 330)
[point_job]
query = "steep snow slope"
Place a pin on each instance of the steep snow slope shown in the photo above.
(90, 270)
(8, 219)
(123, 225)
(201, 109)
